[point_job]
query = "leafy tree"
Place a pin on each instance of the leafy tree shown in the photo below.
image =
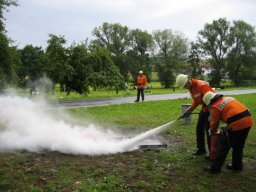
(172, 50)
(8, 54)
(240, 58)
(138, 56)
(116, 39)
(213, 40)
(15, 63)
(141, 41)
(123, 64)
(78, 60)
(103, 72)
(33, 63)
(4, 4)
(58, 68)
(9, 63)
(78, 67)
(194, 59)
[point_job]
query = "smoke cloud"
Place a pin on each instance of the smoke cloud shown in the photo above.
(28, 125)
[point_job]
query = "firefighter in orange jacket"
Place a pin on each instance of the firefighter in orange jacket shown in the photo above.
(238, 120)
(197, 89)
(141, 83)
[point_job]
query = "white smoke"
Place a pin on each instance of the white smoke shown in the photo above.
(28, 125)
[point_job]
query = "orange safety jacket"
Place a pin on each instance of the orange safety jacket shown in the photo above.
(230, 111)
(197, 90)
(141, 81)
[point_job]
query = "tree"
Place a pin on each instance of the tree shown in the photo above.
(4, 4)
(78, 60)
(33, 63)
(58, 68)
(9, 63)
(103, 72)
(8, 54)
(243, 46)
(172, 50)
(116, 39)
(194, 59)
(213, 40)
(79, 67)
(138, 56)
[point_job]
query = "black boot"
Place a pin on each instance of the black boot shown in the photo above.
(231, 167)
(209, 169)
(199, 152)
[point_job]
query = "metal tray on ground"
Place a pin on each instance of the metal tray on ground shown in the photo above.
(153, 143)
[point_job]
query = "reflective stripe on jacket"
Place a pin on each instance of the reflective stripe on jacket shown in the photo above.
(225, 109)
(141, 81)
(197, 90)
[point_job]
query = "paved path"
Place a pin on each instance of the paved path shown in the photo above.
(122, 100)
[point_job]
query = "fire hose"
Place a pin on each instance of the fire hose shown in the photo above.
(154, 131)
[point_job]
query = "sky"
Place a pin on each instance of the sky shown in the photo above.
(33, 20)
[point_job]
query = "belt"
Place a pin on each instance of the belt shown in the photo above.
(238, 116)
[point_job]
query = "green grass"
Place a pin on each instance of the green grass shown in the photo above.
(154, 88)
(170, 169)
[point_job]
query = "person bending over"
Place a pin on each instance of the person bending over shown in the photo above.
(238, 121)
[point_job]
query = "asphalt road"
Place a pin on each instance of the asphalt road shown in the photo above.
(122, 100)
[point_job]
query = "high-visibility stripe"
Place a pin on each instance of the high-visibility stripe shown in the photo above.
(225, 101)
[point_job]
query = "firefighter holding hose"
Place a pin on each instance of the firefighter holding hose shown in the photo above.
(238, 120)
(197, 89)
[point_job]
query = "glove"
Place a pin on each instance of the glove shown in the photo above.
(211, 132)
(187, 113)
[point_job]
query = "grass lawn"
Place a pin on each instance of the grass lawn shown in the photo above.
(169, 169)
(153, 89)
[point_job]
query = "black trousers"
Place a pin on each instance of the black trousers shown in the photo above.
(236, 141)
(140, 92)
(202, 128)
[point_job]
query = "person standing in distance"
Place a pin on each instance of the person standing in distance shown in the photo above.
(141, 83)
(197, 89)
(239, 122)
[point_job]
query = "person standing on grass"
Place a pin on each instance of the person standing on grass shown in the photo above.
(239, 122)
(141, 83)
(197, 89)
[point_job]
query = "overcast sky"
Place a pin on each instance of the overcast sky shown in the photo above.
(34, 20)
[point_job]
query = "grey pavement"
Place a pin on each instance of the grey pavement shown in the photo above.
(123, 100)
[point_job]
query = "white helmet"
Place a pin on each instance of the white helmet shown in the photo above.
(181, 80)
(208, 97)
(140, 72)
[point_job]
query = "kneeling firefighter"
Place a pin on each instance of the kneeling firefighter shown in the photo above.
(238, 120)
